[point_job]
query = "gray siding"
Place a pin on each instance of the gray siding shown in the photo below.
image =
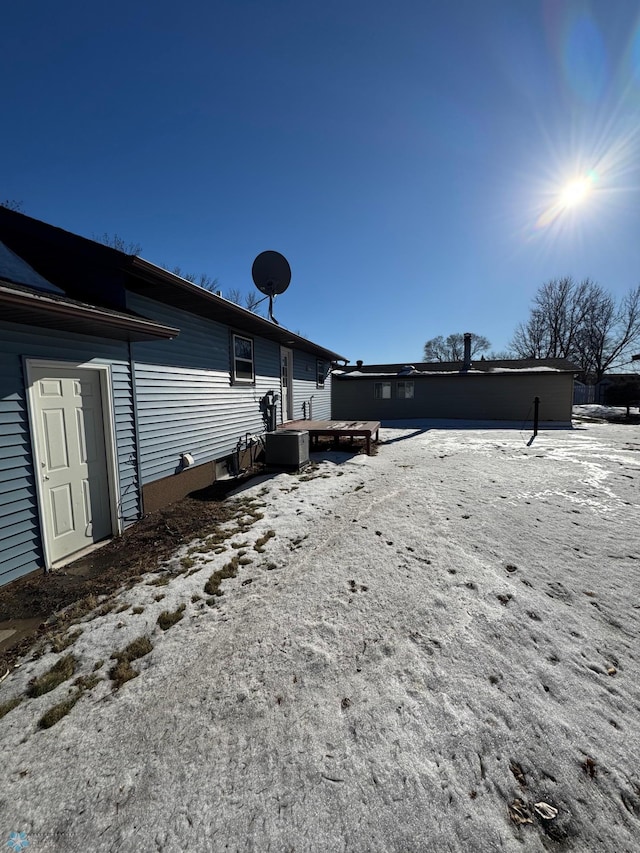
(20, 540)
(471, 397)
(186, 402)
(305, 387)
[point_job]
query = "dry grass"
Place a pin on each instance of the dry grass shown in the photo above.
(167, 619)
(122, 671)
(87, 682)
(136, 649)
(55, 714)
(262, 541)
(59, 672)
(9, 705)
(229, 570)
(61, 642)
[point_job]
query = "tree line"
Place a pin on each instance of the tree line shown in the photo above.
(579, 321)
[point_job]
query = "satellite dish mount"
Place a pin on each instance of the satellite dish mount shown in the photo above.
(271, 274)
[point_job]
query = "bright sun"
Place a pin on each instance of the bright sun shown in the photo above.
(575, 192)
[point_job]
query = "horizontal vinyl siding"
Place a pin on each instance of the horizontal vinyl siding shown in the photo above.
(495, 397)
(305, 388)
(186, 402)
(20, 547)
(201, 345)
(20, 541)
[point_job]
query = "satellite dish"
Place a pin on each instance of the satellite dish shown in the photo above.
(271, 273)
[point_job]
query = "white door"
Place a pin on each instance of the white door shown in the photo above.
(286, 373)
(71, 458)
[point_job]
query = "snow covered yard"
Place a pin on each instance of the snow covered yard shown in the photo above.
(430, 649)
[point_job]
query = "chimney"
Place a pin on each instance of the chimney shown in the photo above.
(467, 351)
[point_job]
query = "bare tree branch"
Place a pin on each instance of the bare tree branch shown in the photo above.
(452, 348)
(119, 243)
(582, 322)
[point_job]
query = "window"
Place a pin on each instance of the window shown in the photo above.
(405, 390)
(321, 372)
(242, 359)
(382, 390)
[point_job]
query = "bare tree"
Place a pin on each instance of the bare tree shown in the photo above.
(609, 332)
(451, 348)
(559, 308)
(234, 295)
(114, 241)
(499, 355)
(252, 300)
(203, 280)
(11, 204)
(247, 300)
(581, 322)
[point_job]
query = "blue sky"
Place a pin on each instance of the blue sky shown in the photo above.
(406, 158)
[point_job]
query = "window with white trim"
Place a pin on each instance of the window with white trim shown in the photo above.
(405, 390)
(243, 369)
(382, 390)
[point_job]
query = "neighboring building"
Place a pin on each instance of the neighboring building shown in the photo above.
(123, 388)
(481, 390)
(604, 391)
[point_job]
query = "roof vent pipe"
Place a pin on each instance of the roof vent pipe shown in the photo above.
(467, 351)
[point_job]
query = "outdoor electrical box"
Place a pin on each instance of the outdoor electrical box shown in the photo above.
(287, 448)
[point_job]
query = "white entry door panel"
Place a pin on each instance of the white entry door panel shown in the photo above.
(74, 484)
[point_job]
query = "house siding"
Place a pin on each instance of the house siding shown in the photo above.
(305, 388)
(471, 397)
(186, 401)
(20, 536)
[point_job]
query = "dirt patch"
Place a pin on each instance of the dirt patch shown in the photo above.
(36, 599)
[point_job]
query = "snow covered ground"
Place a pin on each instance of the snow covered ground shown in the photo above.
(599, 411)
(436, 651)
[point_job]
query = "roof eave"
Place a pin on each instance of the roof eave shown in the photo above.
(38, 308)
(184, 294)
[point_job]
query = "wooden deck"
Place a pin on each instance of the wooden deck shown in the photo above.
(337, 430)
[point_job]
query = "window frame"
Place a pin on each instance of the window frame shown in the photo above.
(235, 378)
(404, 383)
(380, 395)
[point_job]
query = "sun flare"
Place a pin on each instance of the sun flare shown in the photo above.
(573, 195)
(575, 192)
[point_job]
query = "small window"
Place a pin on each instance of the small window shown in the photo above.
(382, 390)
(321, 373)
(242, 359)
(405, 390)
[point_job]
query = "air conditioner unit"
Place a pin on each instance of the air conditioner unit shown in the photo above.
(287, 448)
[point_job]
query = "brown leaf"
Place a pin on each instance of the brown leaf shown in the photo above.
(519, 812)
